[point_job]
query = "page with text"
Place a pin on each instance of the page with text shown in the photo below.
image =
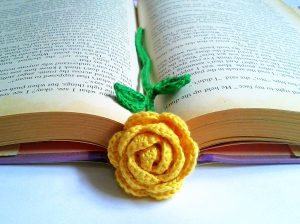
(66, 56)
(241, 54)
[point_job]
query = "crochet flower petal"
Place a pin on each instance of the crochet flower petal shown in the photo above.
(142, 118)
(154, 154)
(113, 154)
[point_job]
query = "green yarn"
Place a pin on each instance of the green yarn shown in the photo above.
(129, 98)
(145, 60)
(135, 101)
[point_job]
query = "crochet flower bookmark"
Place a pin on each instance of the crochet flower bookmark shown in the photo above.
(154, 152)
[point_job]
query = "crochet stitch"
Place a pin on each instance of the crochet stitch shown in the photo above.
(135, 101)
(154, 152)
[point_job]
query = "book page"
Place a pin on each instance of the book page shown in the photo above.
(241, 54)
(64, 55)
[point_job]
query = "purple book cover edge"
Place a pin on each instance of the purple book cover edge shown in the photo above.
(102, 157)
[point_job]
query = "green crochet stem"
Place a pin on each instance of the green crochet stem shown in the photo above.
(145, 60)
(135, 101)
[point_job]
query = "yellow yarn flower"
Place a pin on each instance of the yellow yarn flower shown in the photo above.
(153, 154)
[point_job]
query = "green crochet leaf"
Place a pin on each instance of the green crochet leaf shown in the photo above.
(129, 98)
(135, 101)
(171, 85)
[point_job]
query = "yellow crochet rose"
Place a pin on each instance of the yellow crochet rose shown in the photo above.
(153, 154)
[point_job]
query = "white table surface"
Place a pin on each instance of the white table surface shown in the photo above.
(88, 193)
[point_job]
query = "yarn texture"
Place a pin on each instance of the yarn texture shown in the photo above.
(135, 101)
(153, 154)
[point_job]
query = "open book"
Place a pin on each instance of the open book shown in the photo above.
(60, 59)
